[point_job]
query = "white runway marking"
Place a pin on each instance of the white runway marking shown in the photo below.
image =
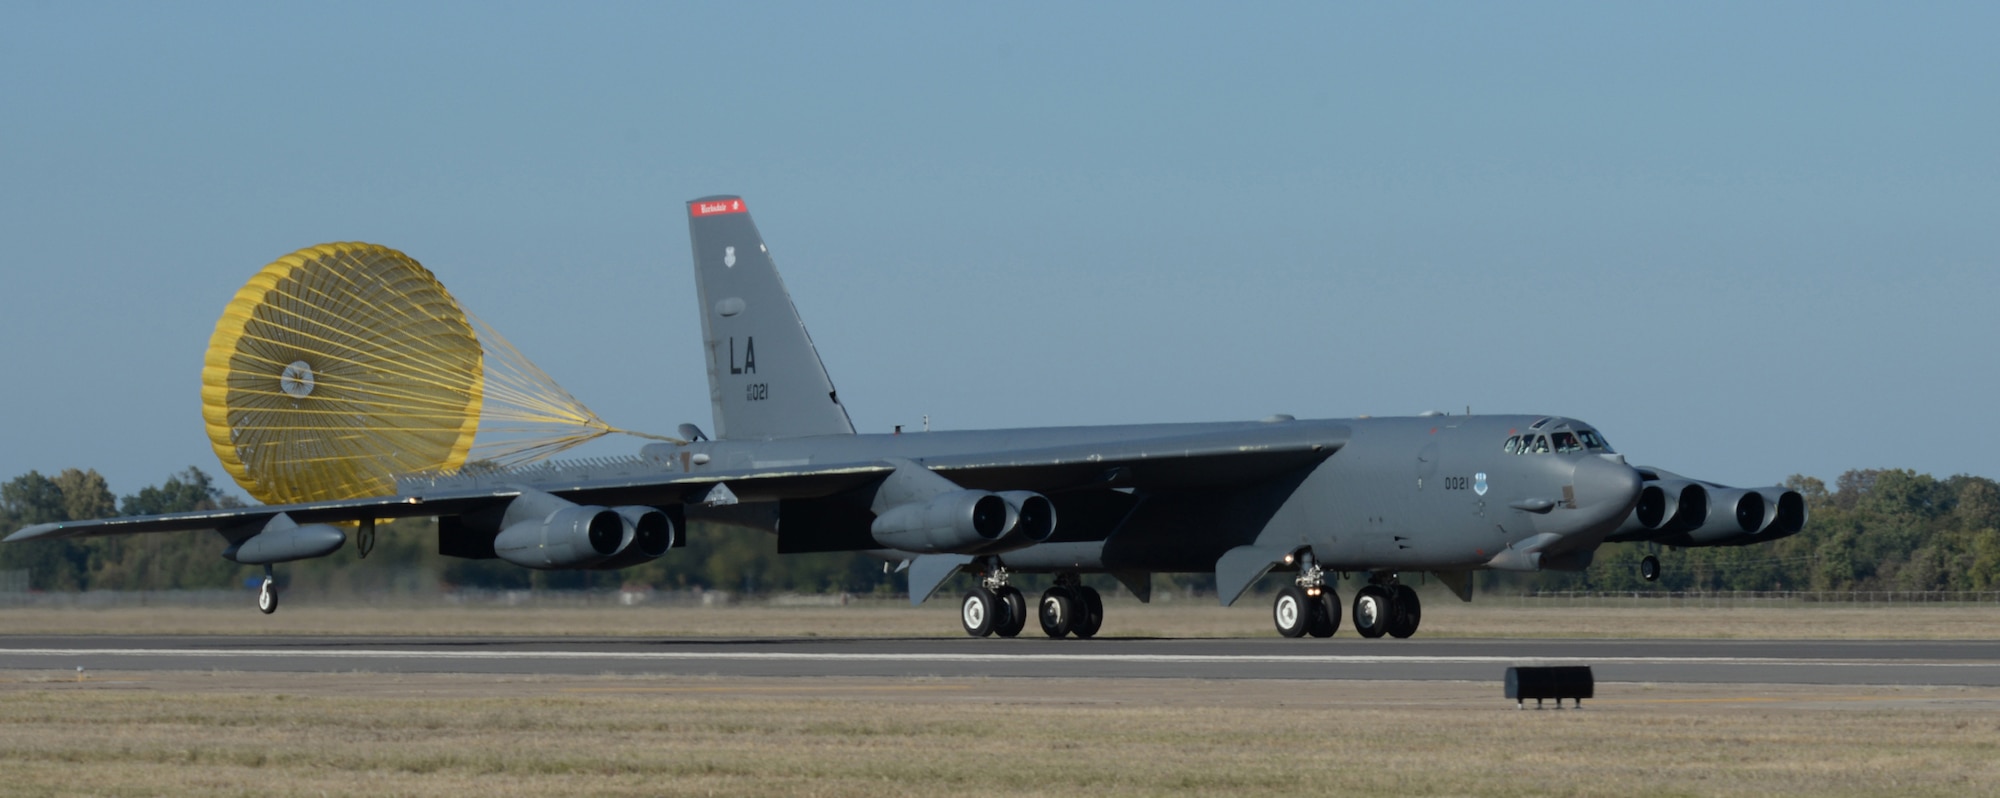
(787, 656)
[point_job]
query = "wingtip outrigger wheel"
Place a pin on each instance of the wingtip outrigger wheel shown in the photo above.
(267, 593)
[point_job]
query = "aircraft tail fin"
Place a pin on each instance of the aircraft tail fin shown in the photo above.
(765, 378)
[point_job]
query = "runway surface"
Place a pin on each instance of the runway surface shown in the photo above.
(1969, 663)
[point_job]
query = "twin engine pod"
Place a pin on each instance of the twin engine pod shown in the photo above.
(549, 533)
(967, 522)
(1685, 512)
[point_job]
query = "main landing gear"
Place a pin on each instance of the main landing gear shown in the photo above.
(1649, 568)
(1385, 607)
(995, 607)
(1071, 608)
(1382, 607)
(1309, 607)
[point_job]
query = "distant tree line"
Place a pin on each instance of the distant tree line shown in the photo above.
(1874, 530)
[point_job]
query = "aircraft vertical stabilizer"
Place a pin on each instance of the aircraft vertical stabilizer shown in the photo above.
(765, 379)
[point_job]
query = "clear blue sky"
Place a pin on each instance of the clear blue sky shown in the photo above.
(1745, 239)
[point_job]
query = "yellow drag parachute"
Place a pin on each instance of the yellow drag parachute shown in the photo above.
(340, 366)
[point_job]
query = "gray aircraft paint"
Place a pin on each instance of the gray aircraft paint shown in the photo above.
(1372, 497)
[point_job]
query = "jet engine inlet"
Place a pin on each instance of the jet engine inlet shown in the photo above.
(1671, 505)
(1035, 513)
(652, 534)
(1791, 517)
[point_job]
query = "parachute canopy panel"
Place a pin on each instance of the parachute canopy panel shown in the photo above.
(336, 368)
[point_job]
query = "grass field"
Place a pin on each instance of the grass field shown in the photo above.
(1444, 616)
(221, 733)
(378, 734)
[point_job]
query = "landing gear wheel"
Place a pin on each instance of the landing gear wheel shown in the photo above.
(1326, 615)
(1649, 568)
(1089, 612)
(1058, 612)
(1017, 611)
(1292, 611)
(1372, 611)
(267, 596)
(1406, 612)
(978, 612)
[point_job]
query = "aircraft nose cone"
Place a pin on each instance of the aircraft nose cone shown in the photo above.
(1605, 487)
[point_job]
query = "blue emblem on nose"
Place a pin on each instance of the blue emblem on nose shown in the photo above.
(1479, 483)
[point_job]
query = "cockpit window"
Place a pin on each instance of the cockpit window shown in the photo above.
(1513, 445)
(1541, 444)
(1566, 443)
(1593, 441)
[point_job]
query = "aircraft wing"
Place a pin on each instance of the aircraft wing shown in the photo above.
(1214, 458)
(663, 489)
(1208, 458)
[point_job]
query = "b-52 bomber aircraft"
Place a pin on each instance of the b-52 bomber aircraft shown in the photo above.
(1369, 500)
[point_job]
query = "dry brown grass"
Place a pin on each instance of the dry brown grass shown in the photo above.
(352, 734)
(1443, 617)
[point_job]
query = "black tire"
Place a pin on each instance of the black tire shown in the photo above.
(267, 597)
(1649, 568)
(1057, 611)
(1089, 613)
(1326, 615)
(1017, 611)
(1372, 611)
(1292, 611)
(977, 613)
(1406, 612)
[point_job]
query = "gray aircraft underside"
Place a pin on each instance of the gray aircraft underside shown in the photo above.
(1370, 497)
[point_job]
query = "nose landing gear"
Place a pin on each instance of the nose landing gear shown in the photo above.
(1649, 568)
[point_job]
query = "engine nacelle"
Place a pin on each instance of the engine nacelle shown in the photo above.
(1733, 513)
(1671, 505)
(956, 522)
(1668, 506)
(1788, 513)
(1677, 511)
(652, 535)
(1744, 516)
(546, 532)
(1034, 521)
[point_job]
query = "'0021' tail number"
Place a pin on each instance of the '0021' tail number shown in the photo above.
(1457, 483)
(757, 391)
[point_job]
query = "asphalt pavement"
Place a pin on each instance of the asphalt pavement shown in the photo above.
(1884, 662)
